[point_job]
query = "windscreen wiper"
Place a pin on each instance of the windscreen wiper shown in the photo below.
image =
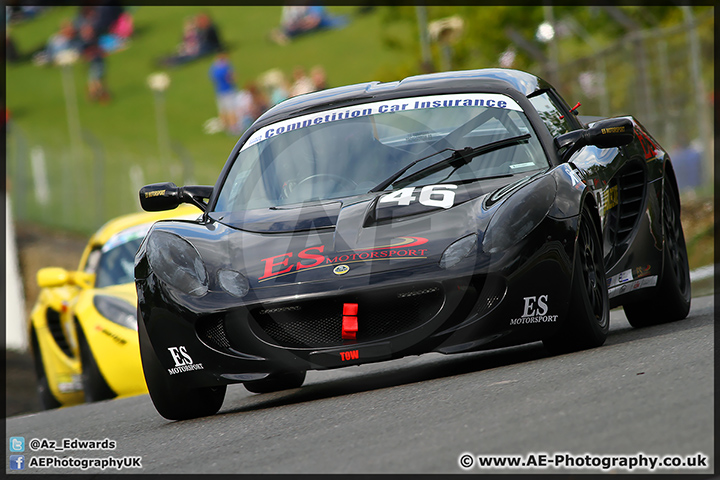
(458, 158)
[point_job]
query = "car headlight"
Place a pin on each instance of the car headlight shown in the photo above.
(519, 215)
(116, 310)
(234, 283)
(176, 262)
(458, 250)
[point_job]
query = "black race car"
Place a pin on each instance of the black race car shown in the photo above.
(448, 212)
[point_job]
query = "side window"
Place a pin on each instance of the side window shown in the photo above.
(92, 261)
(551, 114)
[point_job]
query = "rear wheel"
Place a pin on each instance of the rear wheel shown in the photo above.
(94, 384)
(47, 399)
(672, 301)
(588, 318)
(276, 382)
(171, 400)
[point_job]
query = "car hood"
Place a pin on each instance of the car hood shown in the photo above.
(368, 210)
(347, 237)
(125, 291)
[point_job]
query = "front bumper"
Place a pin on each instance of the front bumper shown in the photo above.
(400, 313)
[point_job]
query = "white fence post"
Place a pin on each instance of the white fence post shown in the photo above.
(15, 332)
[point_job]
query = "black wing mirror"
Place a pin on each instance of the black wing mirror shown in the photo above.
(611, 132)
(166, 196)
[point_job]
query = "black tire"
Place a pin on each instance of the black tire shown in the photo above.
(94, 385)
(171, 400)
(276, 382)
(588, 319)
(45, 395)
(672, 298)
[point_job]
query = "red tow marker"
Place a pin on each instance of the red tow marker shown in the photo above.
(349, 321)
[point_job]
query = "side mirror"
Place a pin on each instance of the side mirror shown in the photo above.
(52, 277)
(57, 277)
(611, 132)
(157, 197)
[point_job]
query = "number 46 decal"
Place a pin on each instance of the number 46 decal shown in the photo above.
(430, 196)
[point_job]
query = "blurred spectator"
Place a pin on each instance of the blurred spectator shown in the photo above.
(87, 15)
(302, 84)
(223, 79)
(276, 86)
(124, 26)
(66, 38)
(299, 19)
(243, 107)
(208, 35)
(12, 54)
(191, 41)
(18, 13)
(105, 17)
(250, 103)
(258, 101)
(687, 162)
(319, 79)
(200, 38)
(95, 56)
(118, 34)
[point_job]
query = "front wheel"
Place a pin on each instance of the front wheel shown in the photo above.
(672, 301)
(588, 319)
(47, 399)
(276, 382)
(171, 400)
(94, 385)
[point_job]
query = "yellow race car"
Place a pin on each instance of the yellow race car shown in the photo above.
(83, 328)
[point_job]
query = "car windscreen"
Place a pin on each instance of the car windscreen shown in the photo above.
(349, 151)
(115, 264)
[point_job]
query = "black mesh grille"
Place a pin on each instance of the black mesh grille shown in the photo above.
(631, 191)
(212, 332)
(56, 330)
(318, 323)
(490, 296)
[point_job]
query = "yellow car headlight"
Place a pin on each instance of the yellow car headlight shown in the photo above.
(116, 310)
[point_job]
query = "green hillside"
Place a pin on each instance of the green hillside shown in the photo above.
(95, 184)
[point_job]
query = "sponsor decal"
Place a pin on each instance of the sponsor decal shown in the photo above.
(313, 257)
(535, 310)
(491, 100)
(608, 200)
(125, 236)
(628, 276)
(632, 286)
(349, 355)
(70, 385)
(341, 270)
(119, 340)
(640, 272)
(621, 277)
(649, 147)
(605, 131)
(522, 165)
(183, 361)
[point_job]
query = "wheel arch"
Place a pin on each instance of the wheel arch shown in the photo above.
(670, 172)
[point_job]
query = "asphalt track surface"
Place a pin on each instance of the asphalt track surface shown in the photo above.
(648, 391)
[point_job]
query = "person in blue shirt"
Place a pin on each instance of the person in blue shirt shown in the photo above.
(223, 79)
(302, 18)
